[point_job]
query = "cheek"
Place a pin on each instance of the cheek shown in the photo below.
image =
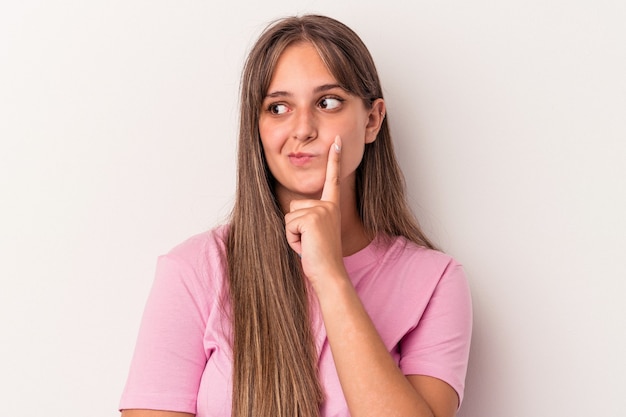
(352, 155)
(272, 136)
(353, 138)
(267, 137)
(356, 155)
(351, 127)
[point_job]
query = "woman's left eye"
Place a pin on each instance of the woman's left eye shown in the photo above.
(330, 103)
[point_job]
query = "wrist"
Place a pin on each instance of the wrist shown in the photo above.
(333, 289)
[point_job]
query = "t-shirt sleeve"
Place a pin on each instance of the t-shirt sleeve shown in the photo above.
(169, 357)
(439, 345)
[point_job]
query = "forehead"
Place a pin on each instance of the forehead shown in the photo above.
(300, 63)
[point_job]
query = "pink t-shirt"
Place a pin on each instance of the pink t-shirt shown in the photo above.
(417, 298)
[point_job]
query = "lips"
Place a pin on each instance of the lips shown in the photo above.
(301, 159)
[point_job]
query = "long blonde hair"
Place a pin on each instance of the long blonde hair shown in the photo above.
(274, 369)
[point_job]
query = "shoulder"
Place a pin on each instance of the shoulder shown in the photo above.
(206, 246)
(408, 259)
(409, 276)
(396, 268)
(434, 323)
(400, 283)
(199, 261)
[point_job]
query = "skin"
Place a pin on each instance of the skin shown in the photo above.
(313, 134)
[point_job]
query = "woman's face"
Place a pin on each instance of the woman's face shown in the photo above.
(302, 113)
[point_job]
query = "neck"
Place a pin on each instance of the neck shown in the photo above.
(353, 235)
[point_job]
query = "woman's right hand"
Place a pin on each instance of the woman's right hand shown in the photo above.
(313, 227)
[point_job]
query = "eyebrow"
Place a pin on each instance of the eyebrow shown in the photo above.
(319, 89)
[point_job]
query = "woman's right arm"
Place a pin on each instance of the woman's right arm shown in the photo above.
(153, 413)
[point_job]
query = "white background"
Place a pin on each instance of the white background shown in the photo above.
(118, 135)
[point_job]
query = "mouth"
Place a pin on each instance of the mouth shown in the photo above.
(300, 159)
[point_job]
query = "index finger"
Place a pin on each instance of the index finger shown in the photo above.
(331, 189)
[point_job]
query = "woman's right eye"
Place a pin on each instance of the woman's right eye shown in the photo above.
(278, 108)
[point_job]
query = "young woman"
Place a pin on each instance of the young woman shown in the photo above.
(321, 297)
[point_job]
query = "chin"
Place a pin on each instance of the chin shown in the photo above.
(308, 194)
(301, 192)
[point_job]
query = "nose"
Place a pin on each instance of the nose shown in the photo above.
(305, 125)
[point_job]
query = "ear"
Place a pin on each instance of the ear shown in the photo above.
(375, 118)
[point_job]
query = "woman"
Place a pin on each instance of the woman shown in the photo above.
(321, 296)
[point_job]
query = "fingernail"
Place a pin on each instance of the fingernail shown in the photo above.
(337, 144)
